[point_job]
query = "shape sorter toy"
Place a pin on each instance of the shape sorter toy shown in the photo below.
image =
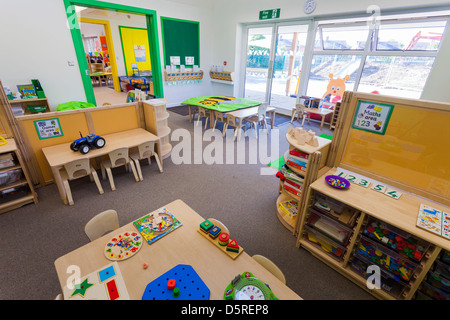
(220, 239)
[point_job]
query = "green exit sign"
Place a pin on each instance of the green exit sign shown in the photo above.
(269, 14)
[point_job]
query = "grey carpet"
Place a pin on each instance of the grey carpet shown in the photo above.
(34, 236)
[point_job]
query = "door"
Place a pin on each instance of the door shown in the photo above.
(275, 57)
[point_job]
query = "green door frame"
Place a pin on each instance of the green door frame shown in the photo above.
(152, 30)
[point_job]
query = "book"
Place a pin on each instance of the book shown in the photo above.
(296, 165)
(291, 189)
(297, 160)
(291, 175)
(298, 154)
(27, 91)
(293, 184)
(289, 207)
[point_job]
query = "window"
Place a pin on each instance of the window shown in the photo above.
(342, 38)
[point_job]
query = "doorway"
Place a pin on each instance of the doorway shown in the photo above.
(275, 57)
(149, 23)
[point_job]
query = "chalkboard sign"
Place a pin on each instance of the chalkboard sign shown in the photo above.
(181, 41)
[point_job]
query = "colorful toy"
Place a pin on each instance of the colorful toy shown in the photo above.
(224, 238)
(191, 285)
(156, 225)
(205, 226)
(397, 240)
(337, 182)
(246, 287)
(220, 239)
(84, 144)
(123, 246)
(434, 220)
(104, 284)
(233, 246)
(214, 232)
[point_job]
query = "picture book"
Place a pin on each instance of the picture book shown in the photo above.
(27, 91)
(434, 220)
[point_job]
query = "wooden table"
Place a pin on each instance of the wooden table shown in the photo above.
(248, 112)
(184, 245)
(322, 112)
(60, 154)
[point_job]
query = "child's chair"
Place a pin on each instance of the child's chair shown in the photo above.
(117, 158)
(261, 117)
(219, 116)
(299, 111)
(77, 169)
(146, 150)
(236, 124)
(203, 113)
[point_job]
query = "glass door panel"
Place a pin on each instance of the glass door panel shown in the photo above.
(290, 48)
(259, 44)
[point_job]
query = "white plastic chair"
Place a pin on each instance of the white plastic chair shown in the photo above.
(101, 224)
(146, 150)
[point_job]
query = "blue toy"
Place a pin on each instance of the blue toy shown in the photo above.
(188, 285)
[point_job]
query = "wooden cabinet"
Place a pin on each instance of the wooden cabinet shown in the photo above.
(314, 159)
(16, 189)
(401, 274)
(29, 106)
(156, 121)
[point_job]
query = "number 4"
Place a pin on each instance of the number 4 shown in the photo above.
(393, 193)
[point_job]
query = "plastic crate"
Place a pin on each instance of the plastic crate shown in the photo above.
(329, 227)
(438, 281)
(335, 209)
(388, 282)
(36, 108)
(442, 269)
(401, 267)
(327, 245)
(396, 239)
(13, 193)
(434, 293)
(445, 257)
(11, 176)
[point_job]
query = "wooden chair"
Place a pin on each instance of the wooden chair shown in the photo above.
(203, 113)
(219, 116)
(299, 111)
(117, 158)
(260, 118)
(219, 224)
(77, 169)
(236, 124)
(101, 224)
(146, 150)
(270, 266)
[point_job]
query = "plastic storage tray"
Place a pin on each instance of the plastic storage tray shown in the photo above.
(396, 239)
(401, 267)
(335, 209)
(388, 283)
(434, 293)
(332, 248)
(445, 257)
(329, 227)
(13, 193)
(442, 269)
(11, 176)
(438, 281)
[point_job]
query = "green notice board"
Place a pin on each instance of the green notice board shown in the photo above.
(181, 41)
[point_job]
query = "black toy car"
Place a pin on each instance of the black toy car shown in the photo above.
(84, 144)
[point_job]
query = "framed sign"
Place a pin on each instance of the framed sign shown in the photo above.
(48, 128)
(372, 117)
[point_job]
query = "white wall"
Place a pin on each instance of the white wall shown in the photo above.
(36, 42)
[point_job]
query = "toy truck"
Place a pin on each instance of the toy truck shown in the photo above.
(84, 144)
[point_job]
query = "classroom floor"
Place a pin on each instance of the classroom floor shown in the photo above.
(109, 95)
(34, 236)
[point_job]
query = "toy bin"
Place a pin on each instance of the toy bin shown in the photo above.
(445, 257)
(442, 269)
(422, 296)
(396, 239)
(434, 293)
(11, 176)
(335, 209)
(387, 281)
(401, 267)
(438, 281)
(36, 108)
(329, 227)
(332, 248)
(13, 193)
(6, 160)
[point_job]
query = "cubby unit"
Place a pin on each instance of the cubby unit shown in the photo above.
(156, 119)
(303, 164)
(16, 189)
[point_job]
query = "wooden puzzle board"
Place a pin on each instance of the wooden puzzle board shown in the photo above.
(232, 255)
(433, 220)
(104, 284)
(152, 231)
(123, 246)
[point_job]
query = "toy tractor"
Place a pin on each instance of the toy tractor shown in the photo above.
(84, 144)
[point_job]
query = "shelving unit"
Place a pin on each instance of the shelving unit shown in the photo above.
(316, 158)
(156, 118)
(16, 189)
(25, 103)
(374, 206)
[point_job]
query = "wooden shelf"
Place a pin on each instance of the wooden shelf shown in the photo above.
(156, 119)
(25, 102)
(284, 219)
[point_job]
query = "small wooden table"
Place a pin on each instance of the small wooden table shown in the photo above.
(248, 112)
(60, 154)
(322, 112)
(184, 245)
